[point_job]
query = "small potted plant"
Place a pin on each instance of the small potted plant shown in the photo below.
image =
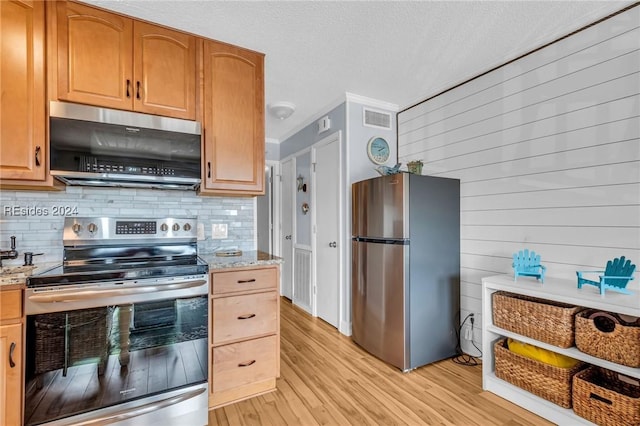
(415, 167)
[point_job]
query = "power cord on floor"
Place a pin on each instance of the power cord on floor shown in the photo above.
(463, 358)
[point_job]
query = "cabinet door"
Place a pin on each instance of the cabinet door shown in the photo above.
(94, 56)
(11, 374)
(22, 104)
(165, 71)
(233, 161)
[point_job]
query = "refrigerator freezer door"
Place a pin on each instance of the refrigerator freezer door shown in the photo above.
(380, 207)
(378, 293)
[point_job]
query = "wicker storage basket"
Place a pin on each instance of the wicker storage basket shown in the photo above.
(605, 339)
(543, 320)
(600, 396)
(63, 339)
(547, 381)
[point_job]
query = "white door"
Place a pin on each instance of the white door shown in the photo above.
(328, 248)
(264, 214)
(287, 226)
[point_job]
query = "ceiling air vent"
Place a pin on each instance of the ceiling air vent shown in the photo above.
(377, 119)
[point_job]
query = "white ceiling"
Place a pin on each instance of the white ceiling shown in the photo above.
(399, 52)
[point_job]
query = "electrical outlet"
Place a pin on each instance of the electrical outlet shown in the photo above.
(218, 231)
(468, 333)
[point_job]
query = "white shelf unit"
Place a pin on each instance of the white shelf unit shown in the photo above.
(558, 290)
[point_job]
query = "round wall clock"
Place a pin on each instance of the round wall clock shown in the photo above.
(378, 150)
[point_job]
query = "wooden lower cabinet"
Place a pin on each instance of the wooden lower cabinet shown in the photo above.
(11, 356)
(244, 335)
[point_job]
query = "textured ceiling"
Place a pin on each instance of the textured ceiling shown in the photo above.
(399, 52)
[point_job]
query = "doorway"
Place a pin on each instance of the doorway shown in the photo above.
(327, 236)
(287, 226)
(265, 213)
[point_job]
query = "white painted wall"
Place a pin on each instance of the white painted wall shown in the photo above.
(547, 149)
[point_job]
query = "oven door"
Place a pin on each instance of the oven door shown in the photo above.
(132, 352)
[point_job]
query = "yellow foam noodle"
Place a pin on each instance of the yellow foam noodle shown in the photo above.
(539, 354)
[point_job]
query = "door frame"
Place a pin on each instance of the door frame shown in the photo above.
(274, 208)
(278, 199)
(275, 205)
(334, 137)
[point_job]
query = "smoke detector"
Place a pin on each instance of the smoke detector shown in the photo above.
(282, 110)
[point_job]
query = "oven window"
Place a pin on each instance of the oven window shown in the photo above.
(78, 361)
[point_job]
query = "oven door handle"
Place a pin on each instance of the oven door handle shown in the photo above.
(127, 414)
(71, 296)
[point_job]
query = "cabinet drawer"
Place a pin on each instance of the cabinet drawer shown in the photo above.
(10, 304)
(243, 363)
(245, 280)
(242, 317)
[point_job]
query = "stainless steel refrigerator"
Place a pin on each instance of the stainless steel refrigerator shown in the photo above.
(406, 268)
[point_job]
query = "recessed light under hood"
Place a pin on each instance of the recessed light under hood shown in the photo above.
(94, 146)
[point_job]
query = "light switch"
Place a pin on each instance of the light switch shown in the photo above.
(218, 231)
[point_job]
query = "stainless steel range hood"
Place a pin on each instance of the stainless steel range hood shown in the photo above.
(104, 147)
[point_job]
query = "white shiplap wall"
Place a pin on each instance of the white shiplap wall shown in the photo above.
(547, 149)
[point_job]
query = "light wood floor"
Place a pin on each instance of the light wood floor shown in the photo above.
(328, 380)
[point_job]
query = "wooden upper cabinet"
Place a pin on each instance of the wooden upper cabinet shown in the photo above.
(233, 159)
(95, 56)
(22, 84)
(109, 60)
(165, 71)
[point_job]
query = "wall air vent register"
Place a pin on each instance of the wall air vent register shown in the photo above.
(378, 119)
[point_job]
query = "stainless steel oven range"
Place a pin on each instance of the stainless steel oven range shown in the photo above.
(118, 333)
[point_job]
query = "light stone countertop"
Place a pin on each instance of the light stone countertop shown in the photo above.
(18, 274)
(11, 275)
(247, 258)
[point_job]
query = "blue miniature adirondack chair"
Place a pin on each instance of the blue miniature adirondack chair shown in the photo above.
(527, 264)
(616, 276)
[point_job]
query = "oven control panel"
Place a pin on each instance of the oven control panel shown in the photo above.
(80, 229)
(137, 227)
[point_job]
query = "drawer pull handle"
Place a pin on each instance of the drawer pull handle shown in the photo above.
(11, 349)
(128, 87)
(138, 90)
(247, 316)
(252, 280)
(246, 364)
(37, 156)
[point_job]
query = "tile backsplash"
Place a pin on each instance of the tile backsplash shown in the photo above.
(36, 218)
